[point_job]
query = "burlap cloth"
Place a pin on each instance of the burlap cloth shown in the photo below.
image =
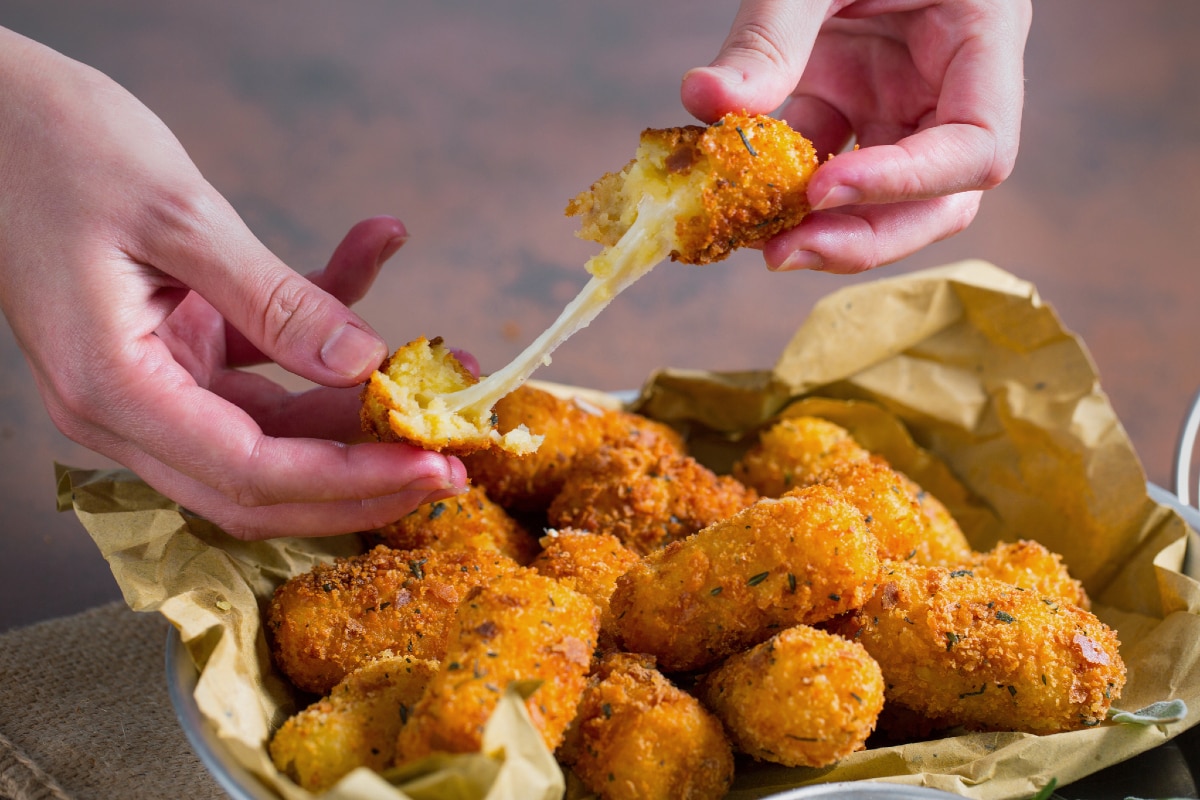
(84, 712)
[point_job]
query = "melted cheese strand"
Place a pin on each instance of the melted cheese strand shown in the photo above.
(648, 241)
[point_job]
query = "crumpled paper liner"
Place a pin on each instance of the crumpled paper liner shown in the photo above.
(961, 376)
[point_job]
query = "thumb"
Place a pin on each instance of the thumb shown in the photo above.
(760, 61)
(294, 322)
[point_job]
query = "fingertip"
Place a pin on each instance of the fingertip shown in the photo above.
(791, 261)
(708, 93)
(470, 362)
(390, 246)
(352, 353)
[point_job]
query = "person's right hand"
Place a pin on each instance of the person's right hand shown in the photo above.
(136, 292)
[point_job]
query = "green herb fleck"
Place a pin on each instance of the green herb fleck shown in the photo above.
(749, 148)
(755, 580)
(1004, 616)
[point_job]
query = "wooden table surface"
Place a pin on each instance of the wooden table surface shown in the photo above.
(474, 122)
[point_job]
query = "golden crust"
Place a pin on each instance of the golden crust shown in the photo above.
(980, 653)
(746, 176)
(638, 736)
(802, 698)
(589, 563)
(781, 562)
(646, 499)
(572, 431)
(325, 622)
(521, 626)
(793, 453)
(401, 402)
(1027, 564)
(354, 726)
(470, 519)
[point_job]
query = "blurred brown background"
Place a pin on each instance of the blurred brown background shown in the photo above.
(475, 121)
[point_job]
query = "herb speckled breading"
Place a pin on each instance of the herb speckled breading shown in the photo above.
(781, 562)
(323, 623)
(984, 654)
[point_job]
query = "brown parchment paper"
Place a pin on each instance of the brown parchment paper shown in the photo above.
(961, 376)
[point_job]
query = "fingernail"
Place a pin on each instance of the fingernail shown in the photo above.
(838, 196)
(443, 494)
(390, 248)
(728, 75)
(801, 259)
(351, 351)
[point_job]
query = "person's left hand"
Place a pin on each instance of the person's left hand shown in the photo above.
(930, 91)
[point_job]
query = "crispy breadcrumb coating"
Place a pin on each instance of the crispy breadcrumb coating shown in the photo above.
(402, 402)
(986, 655)
(893, 514)
(1027, 564)
(803, 698)
(573, 429)
(589, 563)
(354, 726)
(781, 562)
(470, 519)
(323, 623)
(639, 737)
(646, 499)
(744, 179)
(946, 544)
(793, 453)
(520, 626)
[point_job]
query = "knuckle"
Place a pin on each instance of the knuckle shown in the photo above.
(760, 38)
(289, 308)
(179, 214)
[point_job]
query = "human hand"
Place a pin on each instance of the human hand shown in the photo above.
(930, 92)
(136, 292)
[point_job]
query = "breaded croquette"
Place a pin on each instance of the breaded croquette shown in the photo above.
(986, 655)
(589, 563)
(736, 182)
(402, 402)
(947, 542)
(470, 519)
(893, 513)
(639, 737)
(1027, 564)
(781, 562)
(793, 453)
(646, 499)
(802, 698)
(572, 430)
(325, 622)
(520, 626)
(354, 726)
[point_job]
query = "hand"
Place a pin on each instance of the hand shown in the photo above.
(931, 92)
(136, 292)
